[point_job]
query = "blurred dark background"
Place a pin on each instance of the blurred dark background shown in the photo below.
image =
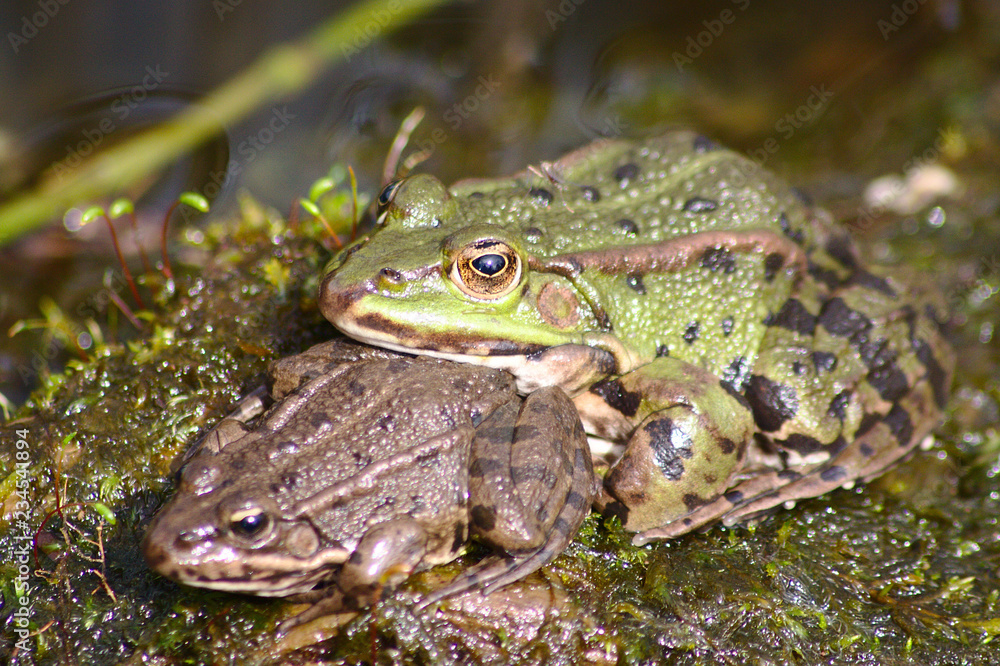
(830, 95)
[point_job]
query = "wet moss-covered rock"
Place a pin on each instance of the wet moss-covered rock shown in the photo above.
(899, 571)
(97, 445)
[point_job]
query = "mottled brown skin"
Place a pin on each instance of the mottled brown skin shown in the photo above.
(372, 465)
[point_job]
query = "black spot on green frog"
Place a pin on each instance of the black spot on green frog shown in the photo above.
(656, 265)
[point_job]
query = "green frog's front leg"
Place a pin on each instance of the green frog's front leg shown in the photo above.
(689, 434)
(531, 484)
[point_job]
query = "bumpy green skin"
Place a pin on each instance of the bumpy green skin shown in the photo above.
(684, 303)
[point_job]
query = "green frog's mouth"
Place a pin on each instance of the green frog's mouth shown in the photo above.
(356, 309)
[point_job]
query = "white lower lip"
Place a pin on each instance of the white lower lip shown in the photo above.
(367, 335)
(374, 338)
(282, 587)
(509, 362)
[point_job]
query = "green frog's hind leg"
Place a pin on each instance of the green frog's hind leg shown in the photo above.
(767, 489)
(853, 379)
(531, 485)
(759, 486)
(690, 440)
(860, 377)
(879, 445)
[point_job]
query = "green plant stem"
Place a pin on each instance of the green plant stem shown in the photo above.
(282, 70)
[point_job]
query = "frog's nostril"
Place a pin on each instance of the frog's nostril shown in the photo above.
(190, 538)
(390, 275)
(184, 540)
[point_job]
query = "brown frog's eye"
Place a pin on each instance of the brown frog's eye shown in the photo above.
(385, 197)
(487, 269)
(250, 523)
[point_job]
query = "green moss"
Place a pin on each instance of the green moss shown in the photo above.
(102, 438)
(898, 571)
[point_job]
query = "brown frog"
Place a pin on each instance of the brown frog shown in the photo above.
(372, 465)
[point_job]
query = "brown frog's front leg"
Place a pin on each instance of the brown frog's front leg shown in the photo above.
(385, 556)
(531, 484)
(234, 426)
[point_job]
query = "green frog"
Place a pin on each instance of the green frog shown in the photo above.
(369, 466)
(693, 305)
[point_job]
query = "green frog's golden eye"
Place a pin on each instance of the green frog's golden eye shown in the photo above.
(486, 269)
(386, 195)
(250, 523)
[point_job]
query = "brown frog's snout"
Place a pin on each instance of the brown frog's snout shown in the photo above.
(168, 545)
(156, 556)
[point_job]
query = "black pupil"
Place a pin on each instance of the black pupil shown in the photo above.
(250, 525)
(489, 264)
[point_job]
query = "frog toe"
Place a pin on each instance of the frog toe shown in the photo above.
(327, 601)
(694, 520)
(881, 446)
(490, 574)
